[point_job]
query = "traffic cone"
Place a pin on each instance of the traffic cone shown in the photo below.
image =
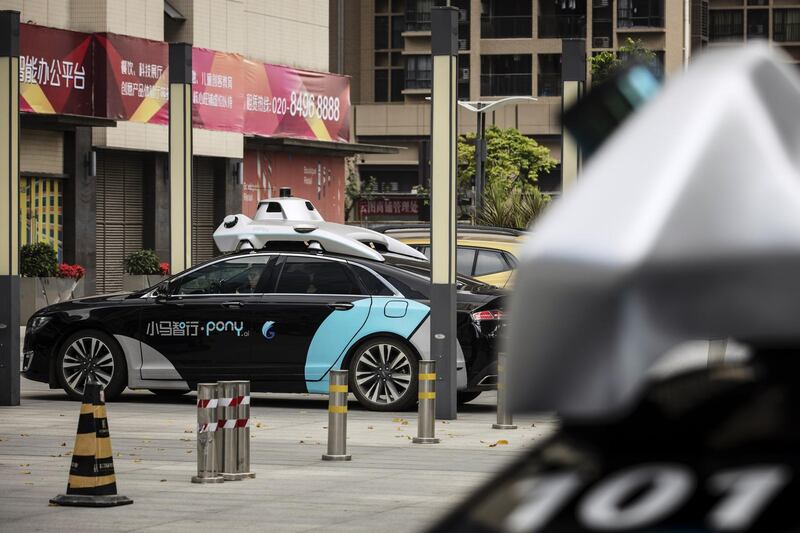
(91, 474)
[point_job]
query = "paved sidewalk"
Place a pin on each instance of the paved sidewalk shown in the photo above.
(391, 484)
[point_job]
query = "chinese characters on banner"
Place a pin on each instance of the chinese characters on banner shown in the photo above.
(126, 78)
(55, 71)
(382, 207)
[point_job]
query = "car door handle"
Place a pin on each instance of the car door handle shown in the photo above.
(341, 306)
(232, 305)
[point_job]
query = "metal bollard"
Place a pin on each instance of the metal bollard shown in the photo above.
(337, 417)
(504, 417)
(207, 469)
(227, 427)
(243, 429)
(426, 419)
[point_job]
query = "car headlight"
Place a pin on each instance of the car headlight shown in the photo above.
(39, 321)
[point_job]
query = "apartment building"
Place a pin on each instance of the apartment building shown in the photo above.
(506, 48)
(732, 22)
(94, 184)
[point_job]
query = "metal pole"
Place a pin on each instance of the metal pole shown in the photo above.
(504, 417)
(243, 429)
(444, 48)
(180, 155)
(426, 421)
(227, 426)
(9, 208)
(207, 469)
(337, 417)
(478, 165)
(573, 76)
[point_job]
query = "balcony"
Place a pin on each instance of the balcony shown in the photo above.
(786, 25)
(506, 27)
(506, 84)
(418, 21)
(562, 26)
(640, 14)
(726, 25)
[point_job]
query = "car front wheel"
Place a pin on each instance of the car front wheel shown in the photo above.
(91, 353)
(383, 375)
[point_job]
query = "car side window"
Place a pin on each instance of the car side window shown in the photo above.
(374, 286)
(241, 275)
(465, 257)
(490, 262)
(309, 275)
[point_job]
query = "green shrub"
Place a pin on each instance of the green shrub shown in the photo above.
(38, 260)
(144, 262)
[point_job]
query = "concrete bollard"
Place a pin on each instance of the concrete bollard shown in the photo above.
(207, 469)
(426, 420)
(243, 429)
(337, 417)
(504, 417)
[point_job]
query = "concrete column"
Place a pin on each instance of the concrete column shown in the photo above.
(80, 199)
(228, 191)
(156, 204)
(9, 208)
(444, 46)
(180, 155)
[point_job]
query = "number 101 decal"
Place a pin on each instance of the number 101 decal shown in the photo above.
(646, 495)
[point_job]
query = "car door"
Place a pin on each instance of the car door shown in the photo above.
(316, 309)
(203, 330)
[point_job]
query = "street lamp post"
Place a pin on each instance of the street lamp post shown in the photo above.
(481, 108)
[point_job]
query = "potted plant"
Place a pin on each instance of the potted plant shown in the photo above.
(143, 270)
(43, 281)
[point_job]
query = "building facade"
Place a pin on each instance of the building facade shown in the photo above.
(96, 189)
(506, 48)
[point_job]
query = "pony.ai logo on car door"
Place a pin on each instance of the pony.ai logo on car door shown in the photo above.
(266, 330)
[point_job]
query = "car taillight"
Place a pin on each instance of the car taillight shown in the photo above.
(482, 316)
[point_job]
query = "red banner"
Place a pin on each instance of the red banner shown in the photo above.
(126, 78)
(132, 79)
(55, 71)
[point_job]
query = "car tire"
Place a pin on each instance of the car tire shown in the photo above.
(467, 396)
(383, 374)
(99, 354)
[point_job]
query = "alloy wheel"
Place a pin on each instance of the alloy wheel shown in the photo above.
(383, 373)
(87, 356)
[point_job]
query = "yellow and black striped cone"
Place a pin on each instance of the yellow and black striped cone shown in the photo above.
(91, 474)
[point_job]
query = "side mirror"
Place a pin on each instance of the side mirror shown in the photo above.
(162, 292)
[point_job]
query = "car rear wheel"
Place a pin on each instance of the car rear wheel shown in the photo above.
(383, 375)
(91, 353)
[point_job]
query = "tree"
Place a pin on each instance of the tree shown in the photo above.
(605, 64)
(513, 161)
(355, 188)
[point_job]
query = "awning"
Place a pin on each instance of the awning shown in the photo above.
(63, 122)
(288, 144)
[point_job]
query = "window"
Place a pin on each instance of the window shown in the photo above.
(374, 286)
(786, 25)
(640, 13)
(506, 75)
(409, 288)
(726, 25)
(381, 33)
(465, 257)
(501, 19)
(308, 275)
(243, 275)
(757, 24)
(549, 81)
(418, 72)
(490, 262)
(41, 212)
(381, 85)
